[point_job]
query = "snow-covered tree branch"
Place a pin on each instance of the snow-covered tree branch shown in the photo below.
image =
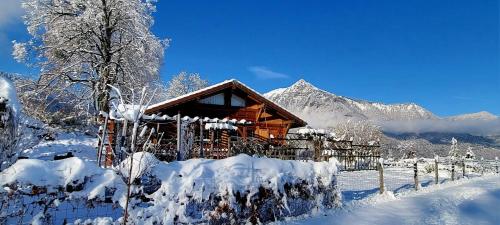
(82, 46)
(184, 83)
(360, 132)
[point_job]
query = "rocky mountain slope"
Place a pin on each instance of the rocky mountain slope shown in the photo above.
(317, 105)
(306, 100)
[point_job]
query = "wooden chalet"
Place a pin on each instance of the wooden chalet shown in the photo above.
(228, 100)
(224, 120)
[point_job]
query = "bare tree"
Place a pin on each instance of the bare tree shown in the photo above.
(184, 83)
(83, 46)
(407, 149)
(360, 132)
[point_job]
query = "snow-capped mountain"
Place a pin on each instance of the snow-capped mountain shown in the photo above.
(319, 107)
(483, 115)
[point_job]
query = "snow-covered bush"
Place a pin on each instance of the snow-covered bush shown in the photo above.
(50, 192)
(9, 114)
(470, 154)
(429, 168)
(235, 190)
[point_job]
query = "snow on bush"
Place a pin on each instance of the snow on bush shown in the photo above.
(235, 190)
(50, 192)
(8, 92)
(9, 110)
(77, 177)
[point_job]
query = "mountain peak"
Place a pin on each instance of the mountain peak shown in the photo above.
(303, 83)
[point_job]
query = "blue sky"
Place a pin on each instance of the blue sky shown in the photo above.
(443, 55)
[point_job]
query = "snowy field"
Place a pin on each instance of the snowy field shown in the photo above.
(467, 201)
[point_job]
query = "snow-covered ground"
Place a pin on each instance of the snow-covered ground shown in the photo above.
(358, 185)
(79, 144)
(459, 202)
(467, 201)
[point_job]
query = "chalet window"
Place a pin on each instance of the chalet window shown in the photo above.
(217, 99)
(237, 101)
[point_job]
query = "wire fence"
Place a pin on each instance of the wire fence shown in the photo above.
(55, 208)
(410, 175)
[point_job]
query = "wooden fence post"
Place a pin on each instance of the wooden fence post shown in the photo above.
(381, 175)
(123, 140)
(415, 175)
(228, 146)
(179, 157)
(103, 141)
(463, 168)
(202, 153)
(212, 140)
(436, 168)
(482, 166)
(496, 160)
(452, 171)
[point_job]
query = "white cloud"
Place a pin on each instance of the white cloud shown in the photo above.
(475, 127)
(265, 73)
(11, 12)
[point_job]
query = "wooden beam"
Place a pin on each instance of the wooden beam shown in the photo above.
(279, 122)
(265, 115)
(256, 106)
(259, 112)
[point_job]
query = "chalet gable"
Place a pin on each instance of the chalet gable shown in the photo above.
(229, 98)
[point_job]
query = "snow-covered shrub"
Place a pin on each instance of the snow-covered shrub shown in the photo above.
(235, 190)
(429, 168)
(470, 154)
(51, 192)
(9, 113)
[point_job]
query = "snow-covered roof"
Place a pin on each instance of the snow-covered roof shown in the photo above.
(218, 87)
(190, 94)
